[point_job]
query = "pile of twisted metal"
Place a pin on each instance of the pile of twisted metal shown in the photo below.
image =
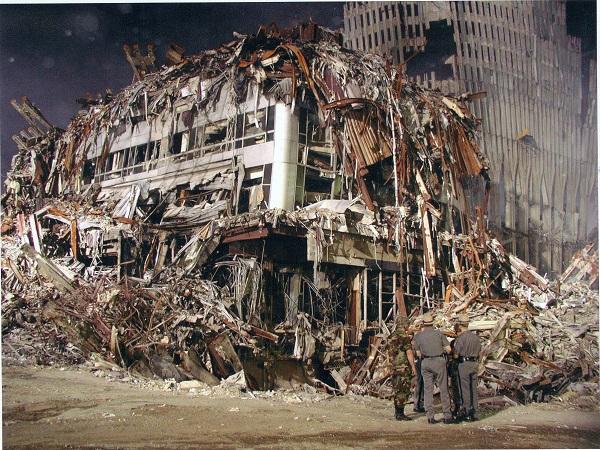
(273, 206)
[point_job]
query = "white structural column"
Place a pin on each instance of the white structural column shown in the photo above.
(285, 157)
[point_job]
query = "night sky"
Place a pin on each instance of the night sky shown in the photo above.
(56, 53)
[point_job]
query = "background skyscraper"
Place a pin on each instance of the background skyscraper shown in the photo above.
(539, 120)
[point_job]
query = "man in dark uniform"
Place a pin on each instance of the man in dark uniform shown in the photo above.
(466, 349)
(430, 345)
(400, 347)
(418, 378)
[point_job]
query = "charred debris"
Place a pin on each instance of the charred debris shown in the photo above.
(273, 206)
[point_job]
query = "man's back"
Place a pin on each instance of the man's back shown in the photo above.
(467, 345)
(430, 342)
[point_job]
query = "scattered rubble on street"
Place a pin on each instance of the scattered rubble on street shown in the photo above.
(255, 217)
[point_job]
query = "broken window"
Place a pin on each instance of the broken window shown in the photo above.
(316, 188)
(266, 185)
(439, 46)
(89, 169)
(214, 134)
(251, 195)
(380, 14)
(408, 10)
(114, 161)
(302, 135)
(416, 9)
(393, 11)
(175, 143)
(382, 37)
(153, 150)
(109, 162)
(195, 138)
(299, 197)
(255, 127)
(387, 12)
(368, 20)
(138, 154)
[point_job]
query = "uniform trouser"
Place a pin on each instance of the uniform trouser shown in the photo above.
(434, 371)
(401, 382)
(468, 382)
(418, 394)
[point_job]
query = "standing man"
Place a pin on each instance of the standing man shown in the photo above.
(466, 349)
(430, 345)
(404, 366)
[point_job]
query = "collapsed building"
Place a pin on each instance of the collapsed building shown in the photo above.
(271, 205)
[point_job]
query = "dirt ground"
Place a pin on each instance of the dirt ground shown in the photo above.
(52, 408)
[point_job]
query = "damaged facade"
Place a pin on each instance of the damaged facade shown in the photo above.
(272, 205)
(536, 97)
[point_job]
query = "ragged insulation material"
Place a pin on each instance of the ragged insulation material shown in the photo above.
(272, 206)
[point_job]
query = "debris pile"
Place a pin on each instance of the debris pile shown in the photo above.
(161, 229)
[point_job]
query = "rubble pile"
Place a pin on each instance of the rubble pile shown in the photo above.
(170, 257)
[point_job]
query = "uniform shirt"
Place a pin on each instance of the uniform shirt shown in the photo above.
(400, 343)
(467, 345)
(430, 342)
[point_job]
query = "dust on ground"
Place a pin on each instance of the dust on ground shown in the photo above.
(70, 407)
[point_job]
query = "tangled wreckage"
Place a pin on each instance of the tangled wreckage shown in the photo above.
(272, 206)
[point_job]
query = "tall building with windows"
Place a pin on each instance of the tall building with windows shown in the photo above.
(535, 95)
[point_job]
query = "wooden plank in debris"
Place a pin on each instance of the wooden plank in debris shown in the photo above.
(339, 380)
(50, 271)
(74, 248)
(263, 333)
(400, 301)
(35, 235)
(223, 356)
(355, 304)
(366, 367)
(428, 255)
(192, 364)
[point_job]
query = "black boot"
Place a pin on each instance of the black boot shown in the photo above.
(459, 415)
(432, 421)
(399, 410)
(419, 409)
(471, 417)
